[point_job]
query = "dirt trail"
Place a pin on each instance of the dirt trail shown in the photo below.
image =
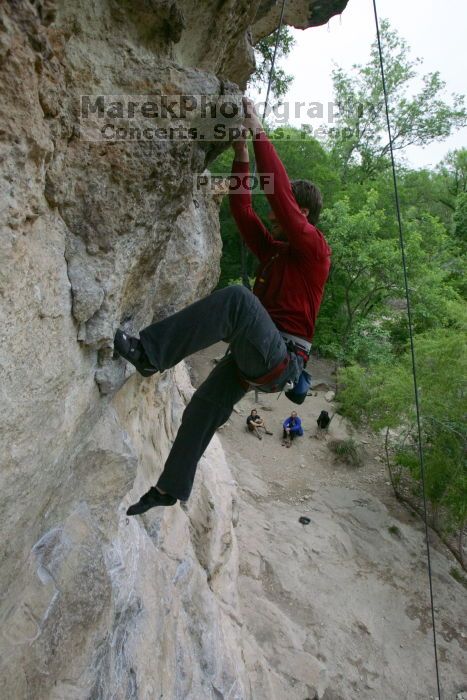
(340, 604)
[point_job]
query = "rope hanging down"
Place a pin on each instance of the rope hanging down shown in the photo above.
(245, 279)
(412, 348)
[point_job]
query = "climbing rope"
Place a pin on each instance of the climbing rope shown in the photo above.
(245, 279)
(412, 348)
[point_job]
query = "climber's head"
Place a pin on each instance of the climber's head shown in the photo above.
(308, 197)
(254, 411)
(310, 201)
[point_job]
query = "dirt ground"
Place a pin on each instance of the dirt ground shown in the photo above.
(340, 604)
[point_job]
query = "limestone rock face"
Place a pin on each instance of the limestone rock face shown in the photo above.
(98, 234)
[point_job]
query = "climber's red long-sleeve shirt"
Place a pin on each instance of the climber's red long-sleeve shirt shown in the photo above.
(292, 274)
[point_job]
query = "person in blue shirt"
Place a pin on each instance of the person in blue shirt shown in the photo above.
(292, 427)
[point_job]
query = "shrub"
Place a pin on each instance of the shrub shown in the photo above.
(346, 451)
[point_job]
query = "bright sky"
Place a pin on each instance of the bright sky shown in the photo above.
(435, 32)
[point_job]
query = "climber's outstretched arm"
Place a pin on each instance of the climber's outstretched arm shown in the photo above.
(302, 235)
(253, 231)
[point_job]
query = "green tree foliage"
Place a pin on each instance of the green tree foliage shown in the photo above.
(363, 315)
(264, 52)
(432, 261)
(460, 217)
(460, 220)
(365, 273)
(231, 242)
(383, 396)
(454, 170)
(425, 191)
(360, 138)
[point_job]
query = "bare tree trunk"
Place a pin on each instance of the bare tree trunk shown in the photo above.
(435, 516)
(391, 475)
(460, 544)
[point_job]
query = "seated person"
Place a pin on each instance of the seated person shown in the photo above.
(292, 427)
(254, 422)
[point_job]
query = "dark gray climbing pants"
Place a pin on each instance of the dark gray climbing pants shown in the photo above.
(236, 316)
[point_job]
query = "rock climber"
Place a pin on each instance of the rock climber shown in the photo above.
(254, 422)
(269, 330)
(292, 427)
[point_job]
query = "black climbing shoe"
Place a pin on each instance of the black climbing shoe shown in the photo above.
(132, 350)
(149, 500)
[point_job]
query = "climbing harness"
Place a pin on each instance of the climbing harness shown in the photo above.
(296, 391)
(412, 348)
(298, 345)
(266, 382)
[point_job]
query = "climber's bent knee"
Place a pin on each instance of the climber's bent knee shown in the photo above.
(240, 293)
